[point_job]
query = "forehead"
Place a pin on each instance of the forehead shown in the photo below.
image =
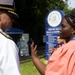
(3, 11)
(65, 23)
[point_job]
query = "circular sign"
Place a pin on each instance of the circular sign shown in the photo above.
(54, 18)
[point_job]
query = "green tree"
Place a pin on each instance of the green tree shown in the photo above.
(73, 10)
(33, 13)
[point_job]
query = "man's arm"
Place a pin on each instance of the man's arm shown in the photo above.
(11, 59)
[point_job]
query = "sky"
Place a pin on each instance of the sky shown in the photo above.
(71, 3)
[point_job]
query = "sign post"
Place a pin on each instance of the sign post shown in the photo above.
(53, 24)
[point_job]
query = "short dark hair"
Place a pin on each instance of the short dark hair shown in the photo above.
(70, 18)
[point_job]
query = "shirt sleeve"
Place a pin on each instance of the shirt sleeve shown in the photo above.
(9, 59)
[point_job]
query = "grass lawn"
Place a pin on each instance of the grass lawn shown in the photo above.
(28, 68)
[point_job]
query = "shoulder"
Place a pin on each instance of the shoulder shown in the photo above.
(5, 35)
(5, 38)
(66, 47)
(70, 43)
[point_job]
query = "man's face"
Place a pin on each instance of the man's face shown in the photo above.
(5, 21)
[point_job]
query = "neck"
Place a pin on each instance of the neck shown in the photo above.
(73, 37)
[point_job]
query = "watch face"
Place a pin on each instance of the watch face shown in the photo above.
(54, 18)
